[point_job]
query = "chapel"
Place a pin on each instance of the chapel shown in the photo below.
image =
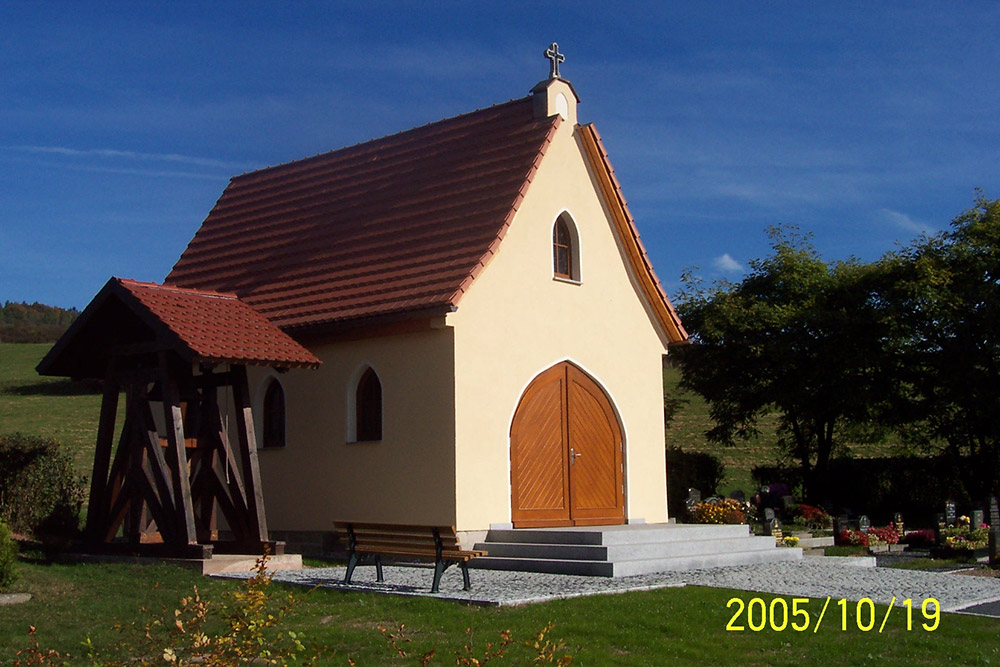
(470, 328)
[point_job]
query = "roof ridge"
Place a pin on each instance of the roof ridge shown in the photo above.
(386, 137)
(175, 288)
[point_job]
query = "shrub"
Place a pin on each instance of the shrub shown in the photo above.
(8, 558)
(885, 535)
(852, 538)
(38, 491)
(719, 511)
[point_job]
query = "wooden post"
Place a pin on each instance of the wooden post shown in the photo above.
(248, 453)
(97, 507)
(175, 443)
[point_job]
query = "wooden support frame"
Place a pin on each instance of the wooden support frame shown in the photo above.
(163, 492)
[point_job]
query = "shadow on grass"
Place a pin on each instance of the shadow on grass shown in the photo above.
(54, 388)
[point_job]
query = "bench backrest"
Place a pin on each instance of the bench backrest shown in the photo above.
(395, 536)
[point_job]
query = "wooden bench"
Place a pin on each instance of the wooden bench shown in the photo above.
(372, 541)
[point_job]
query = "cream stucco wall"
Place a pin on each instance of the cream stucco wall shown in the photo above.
(407, 477)
(517, 320)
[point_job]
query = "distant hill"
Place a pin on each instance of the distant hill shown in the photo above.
(33, 323)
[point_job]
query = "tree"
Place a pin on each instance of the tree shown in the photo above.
(797, 337)
(944, 298)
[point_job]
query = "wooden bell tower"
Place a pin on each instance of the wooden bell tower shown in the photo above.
(164, 486)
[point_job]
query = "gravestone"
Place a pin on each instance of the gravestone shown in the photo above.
(897, 519)
(942, 522)
(775, 526)
(787, 503)
(840, 524)
(769, 515)
(864, 523)
(977, 520)
(994, 532)
(950, 513)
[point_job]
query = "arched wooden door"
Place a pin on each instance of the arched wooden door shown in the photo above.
(566, 453)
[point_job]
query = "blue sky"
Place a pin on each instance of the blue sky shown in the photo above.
(863, 123)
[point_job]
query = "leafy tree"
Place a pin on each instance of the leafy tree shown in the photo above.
(797, 337)
(944, 299)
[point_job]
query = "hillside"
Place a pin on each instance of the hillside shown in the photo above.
(33, 323)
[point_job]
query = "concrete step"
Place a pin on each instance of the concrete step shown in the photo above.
(636, 551)
(629, 568)
(618, 551)
(626, 534)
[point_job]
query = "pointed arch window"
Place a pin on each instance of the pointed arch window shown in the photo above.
(368, 407)
(273, 418)
(565, 249)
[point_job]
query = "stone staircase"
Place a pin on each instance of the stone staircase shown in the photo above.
(621, 551)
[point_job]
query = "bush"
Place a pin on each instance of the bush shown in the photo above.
(719, 511)
(38, 491)
(687, 470)
(8, 558)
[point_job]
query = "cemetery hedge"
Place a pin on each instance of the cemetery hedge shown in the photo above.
(687, 470)
(879, 487)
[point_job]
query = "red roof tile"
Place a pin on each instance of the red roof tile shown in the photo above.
(395, 225)
(218, 327)
(129, 317)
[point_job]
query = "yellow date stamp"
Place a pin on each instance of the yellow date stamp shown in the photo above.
(796, 614)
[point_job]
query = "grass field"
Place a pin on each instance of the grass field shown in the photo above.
(681, 625)
(49, 407)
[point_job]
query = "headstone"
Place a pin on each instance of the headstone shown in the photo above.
(775, 527)
(738, 495)
(864, 523)
(897, 519)
(840, 524)
(950, 513)
(787, 503)
(942, 522)
(977, 520)
(994, 532)
(769, 516)
(694, 497)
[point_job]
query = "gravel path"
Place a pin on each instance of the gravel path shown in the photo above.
(810, 577)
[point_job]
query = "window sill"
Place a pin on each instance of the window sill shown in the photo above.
(571, 281)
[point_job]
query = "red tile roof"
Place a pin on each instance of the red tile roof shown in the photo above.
(392, 226)
(218, 327)
(201, 326)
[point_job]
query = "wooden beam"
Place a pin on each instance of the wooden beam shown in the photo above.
(97, 505)
(174, 420)
(248, 453)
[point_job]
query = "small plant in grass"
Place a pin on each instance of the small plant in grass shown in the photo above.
(8, 558)
(545, 650)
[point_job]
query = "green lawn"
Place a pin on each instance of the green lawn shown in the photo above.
(49, 407)
(686, 625)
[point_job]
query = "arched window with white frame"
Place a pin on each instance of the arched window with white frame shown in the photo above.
(565, 249)
(273, 415)
(368, 407)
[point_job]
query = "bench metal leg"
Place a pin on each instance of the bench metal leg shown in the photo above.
(438, 570)
(352, 562)
(465, 577)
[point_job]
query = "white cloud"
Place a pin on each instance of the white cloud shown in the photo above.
(110, 153)
(904, 221)
(727, 264)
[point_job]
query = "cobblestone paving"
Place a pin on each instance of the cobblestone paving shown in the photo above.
(810, 577)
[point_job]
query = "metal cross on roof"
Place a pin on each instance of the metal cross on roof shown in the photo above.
(552, 53)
